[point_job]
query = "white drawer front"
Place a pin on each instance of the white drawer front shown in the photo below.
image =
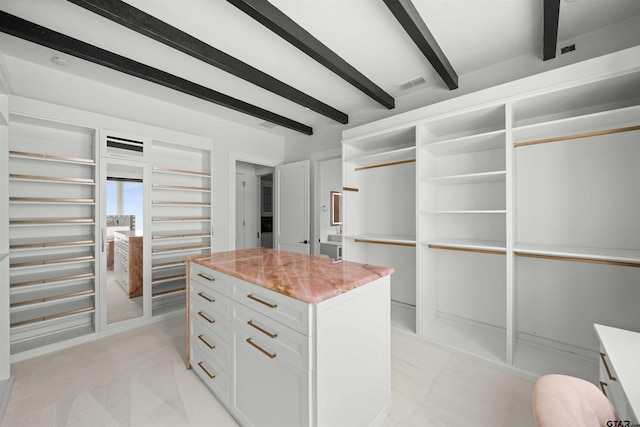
(212, 279)
(286, 310)
(210, 299)
(271, 336)
(211, 320)
(211, 345)
(212, 375)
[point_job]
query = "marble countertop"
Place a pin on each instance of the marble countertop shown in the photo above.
(311, 279)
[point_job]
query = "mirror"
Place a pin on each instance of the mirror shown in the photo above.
(336, 202)
(123, 233)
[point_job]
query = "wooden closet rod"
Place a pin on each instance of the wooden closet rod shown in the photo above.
(480, 251)
(386, 164)
(577, 136)
(378, 242)
(578, 259)
(350, 189)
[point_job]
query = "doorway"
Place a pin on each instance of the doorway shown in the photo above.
(253, 203)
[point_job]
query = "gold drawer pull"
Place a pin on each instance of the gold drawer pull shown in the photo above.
(602, 386)
(211, 279)
(250, 296)
(206, 297)
(205, 341)
(267, 333)
(205, 317)
(611, 377)
(205, 370)
(265, 352)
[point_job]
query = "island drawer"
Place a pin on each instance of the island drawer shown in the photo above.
(211, 320)
(210, 299)
(211, 345)
(210, 278)
(270, 336)
(286, 310)
(212, 375)
(614, 391)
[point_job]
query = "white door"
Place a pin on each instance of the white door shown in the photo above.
(291, 216)
(241, 221)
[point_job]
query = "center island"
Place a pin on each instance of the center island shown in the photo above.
(287, 339)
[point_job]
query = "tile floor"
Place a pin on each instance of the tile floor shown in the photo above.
(137, 378)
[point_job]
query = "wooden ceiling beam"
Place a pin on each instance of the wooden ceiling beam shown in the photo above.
(43, 36)
(551, 17)
(410, 19)
(272, 18)
(143, 23)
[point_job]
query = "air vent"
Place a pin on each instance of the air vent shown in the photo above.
(116, 144)
(267, 125)
(411, 84)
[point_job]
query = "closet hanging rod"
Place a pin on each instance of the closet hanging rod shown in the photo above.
(177, 236)
(382, 242)
(178, 187)
(400, 162)
(480, 251)
(165, 278)
(577, 136)
(580, 259)
(178, 202)
(183, 248)
(163, 264)
(350, 189)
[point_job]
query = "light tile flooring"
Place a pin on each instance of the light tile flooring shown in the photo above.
(138, 378)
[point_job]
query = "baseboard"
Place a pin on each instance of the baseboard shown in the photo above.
(5, 393)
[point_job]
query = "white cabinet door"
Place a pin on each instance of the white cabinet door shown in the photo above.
(270, 390)
(291, 220)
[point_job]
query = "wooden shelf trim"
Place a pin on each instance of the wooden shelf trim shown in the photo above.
(52, 316)
(166, 264)
(350, 189)
(179, 187)
(53, 298)
(167, 278)
(52, 261)
(51, 178)
(177, 202)
(400, 162)
(159, 169)
(51, 244)
(177, 236)
(580, 259)
(168, 291)
(52, 221)
(51, 200)
(577, 136)
(180, 218)
(481, 251)
(384, 242)
(182, 248)
(51, 280)
(51, 157)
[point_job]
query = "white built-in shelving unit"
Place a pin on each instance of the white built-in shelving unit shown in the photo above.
(523, 209)
(180, 219)
(52, 229)
(379, 196)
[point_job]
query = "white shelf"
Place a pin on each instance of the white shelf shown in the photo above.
(470, 244)
(51, 158)
(52, 180)
(472, 178)
(40, 243)
(180, 188)
(470, 212)
(170, 171)
(399, 155)
(467, 144)
(597, 254)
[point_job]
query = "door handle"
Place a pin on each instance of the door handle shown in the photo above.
(306, 242)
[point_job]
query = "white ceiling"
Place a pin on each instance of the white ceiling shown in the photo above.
(473, 34)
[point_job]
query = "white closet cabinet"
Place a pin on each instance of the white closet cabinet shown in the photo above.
(52, 231)
(527, 209)
(180, 219)
(379, 199)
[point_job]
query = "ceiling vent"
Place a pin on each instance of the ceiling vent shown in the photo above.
(267, 125)
(411, 84)
(116, 144)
